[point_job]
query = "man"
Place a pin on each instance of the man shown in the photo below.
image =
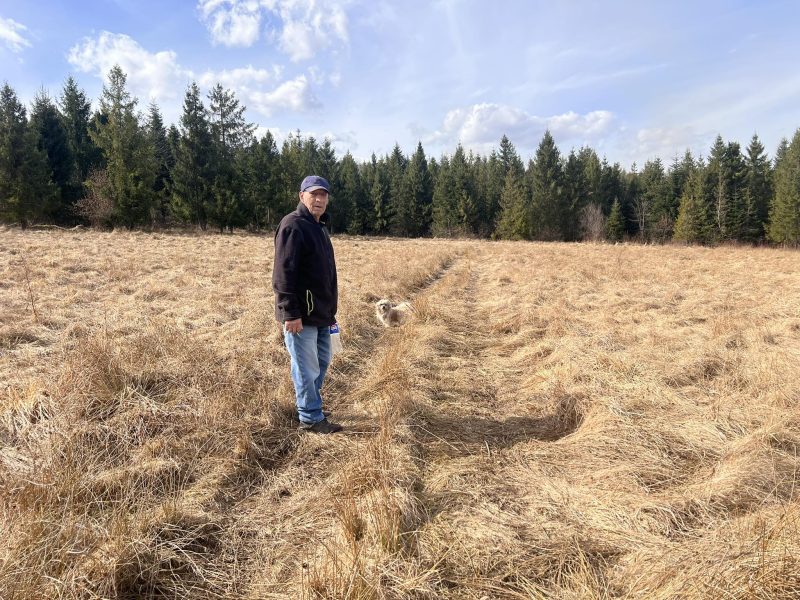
(306, 296)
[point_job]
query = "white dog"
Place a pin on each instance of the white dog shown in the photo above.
(392, 316)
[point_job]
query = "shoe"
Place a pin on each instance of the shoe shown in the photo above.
(323, 426)
(296, 415)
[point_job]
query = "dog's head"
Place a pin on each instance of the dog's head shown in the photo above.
(383, 306)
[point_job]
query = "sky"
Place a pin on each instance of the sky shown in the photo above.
(634, 80)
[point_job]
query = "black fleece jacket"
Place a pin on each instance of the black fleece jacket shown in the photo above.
(304, 271)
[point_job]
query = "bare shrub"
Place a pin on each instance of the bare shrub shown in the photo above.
(97, 207)
(593, 223)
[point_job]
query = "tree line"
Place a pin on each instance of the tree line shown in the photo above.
(116, 167)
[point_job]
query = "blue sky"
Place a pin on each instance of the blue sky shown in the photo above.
(634, 80)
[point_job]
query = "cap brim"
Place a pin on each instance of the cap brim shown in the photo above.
(316, 187)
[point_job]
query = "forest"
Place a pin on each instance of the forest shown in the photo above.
(63, 163)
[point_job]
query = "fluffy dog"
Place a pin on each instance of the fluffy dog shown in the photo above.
(392, 315)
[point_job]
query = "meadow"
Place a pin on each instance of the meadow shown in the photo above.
(556, 421)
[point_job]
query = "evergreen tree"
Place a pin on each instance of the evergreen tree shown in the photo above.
(444, 212)
(25, 185)
(396, 164)
(379, 198)
(615, 227)
(51, 139)
(76, 110)
(548, 202)
(727, 176)
(416, 196)
(231, 135)
(493, 181)
(693, 224)
(515, 214)
(657, 210)
(576, 191)
(164, 163)
(758, 190)
(351, 191)
(192, 176)
(262, 183)
(784, 214)
(129, 158)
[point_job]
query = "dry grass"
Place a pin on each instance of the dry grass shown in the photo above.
(557, 421)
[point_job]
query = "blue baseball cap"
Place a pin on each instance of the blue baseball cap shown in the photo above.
(315, 182)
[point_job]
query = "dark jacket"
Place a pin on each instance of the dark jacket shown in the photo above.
(304, 271)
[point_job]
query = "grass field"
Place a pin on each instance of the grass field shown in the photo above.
(557, 421)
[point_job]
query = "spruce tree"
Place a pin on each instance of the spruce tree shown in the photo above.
(379, 198)
(192, 175)
(231, 134)
(693, 224)
(615, 226)
(76, 110)
(784, 214)
(130, 165)
(548, 200)
(351, 190)
(51, 139)
(262, 183)
(444, 211)
(758, 190)
(577, 194)
(25, 185)
(163, 161)
(416, 196)
(515, 214)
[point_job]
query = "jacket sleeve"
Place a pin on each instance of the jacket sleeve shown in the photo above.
(288, 249)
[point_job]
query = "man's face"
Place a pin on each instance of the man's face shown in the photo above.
(316, 202)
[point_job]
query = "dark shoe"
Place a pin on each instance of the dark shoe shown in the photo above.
(323, 426)
(296, 415)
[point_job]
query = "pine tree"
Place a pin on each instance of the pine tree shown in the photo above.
(192, 176)
(615, 226)
(548, 201)
(129, 158)
(25, 185)
(784, 214)
(51, 139)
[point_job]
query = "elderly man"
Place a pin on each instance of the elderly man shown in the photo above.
(306, 295)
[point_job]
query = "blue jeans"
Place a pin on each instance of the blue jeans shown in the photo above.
(311, 354)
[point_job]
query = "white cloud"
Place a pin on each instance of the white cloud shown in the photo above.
(153, 75)
(11, 34)
(301, 27)
(232, 22)
(480, 127)
(295, 95)
(239, 79)
(158, 76)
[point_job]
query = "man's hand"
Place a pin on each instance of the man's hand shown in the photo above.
(293, 326)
